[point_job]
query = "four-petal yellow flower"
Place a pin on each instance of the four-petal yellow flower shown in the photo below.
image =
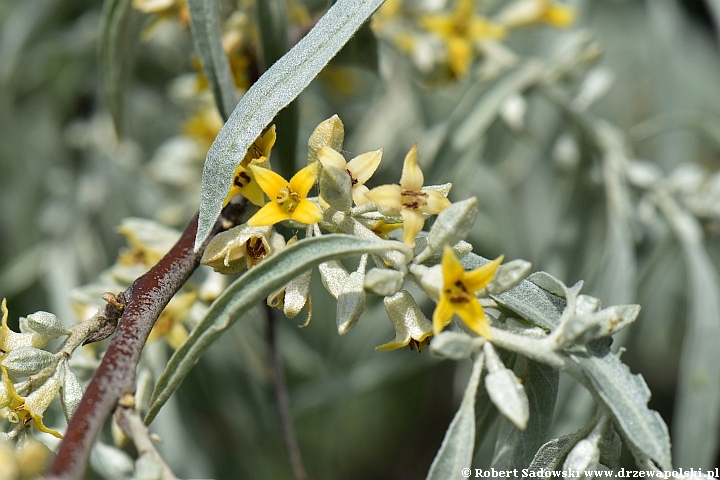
(360, 169)
(409, 198)
(288, 200)
(460, 30)
(458, 294)
(244, 181)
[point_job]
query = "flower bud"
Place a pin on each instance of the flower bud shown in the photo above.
(329, 133)
(383, 281)
(28, 360)
(46, 324)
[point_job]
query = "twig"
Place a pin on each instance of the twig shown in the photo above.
(281, 398)
(133, 426)
(143, 302)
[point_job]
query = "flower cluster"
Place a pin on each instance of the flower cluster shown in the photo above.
(346, 205)
(451, 40)
(49, 374)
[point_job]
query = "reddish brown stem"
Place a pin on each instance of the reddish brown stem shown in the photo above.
(144, 301)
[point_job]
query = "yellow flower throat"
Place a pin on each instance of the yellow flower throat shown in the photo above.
(458, 293)
(288, 199)
(413, 200)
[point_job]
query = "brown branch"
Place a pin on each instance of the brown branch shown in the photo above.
(143, 302)
(281, 397)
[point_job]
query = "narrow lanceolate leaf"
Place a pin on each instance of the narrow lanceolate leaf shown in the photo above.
(118, 33)
(276, 88)
(553, 453)
(626, 396)
(207, 39)
(272, 18)
(457, 447)
(515, 448)
(695, 436)
(271, 274)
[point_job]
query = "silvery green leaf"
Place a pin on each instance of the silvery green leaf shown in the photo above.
(457, 447)
(508, 275)
(478, 109)
(28, 360)
(548, 283)
(505, 390)
(460, 249)
(274, 90)
(111, 462)
(330, 132)
(251, 288)
(585, 304)
(443, 188)
(626, 396)
(552, 454)
(696, 436)
(207, 38)
(383, 281)
(454, 345)
(527, 300)
(47, 324)
(451, 225)
(583, 328)
(513, 447)
(351, 301)
(430, 279)
(296, 294)
(333, 275)
(70, 393)
(116, 45)
(335, 188)
(583, 457)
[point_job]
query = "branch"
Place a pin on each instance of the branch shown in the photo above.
(143, 302)
(282, 399)
(133, 426)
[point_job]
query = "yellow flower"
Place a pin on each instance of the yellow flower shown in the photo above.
(460, 30)
(31, 408)
(385, 14)
(244, 179)
(203, 126)
(288, 200)
(148, 240)
(162, 10)
(169, 324)
(360, 169)
(409, 198)
(240, 248)
(458, 294)
(525, 12)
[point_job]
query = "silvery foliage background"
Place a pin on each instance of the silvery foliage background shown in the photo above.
(544, 196)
